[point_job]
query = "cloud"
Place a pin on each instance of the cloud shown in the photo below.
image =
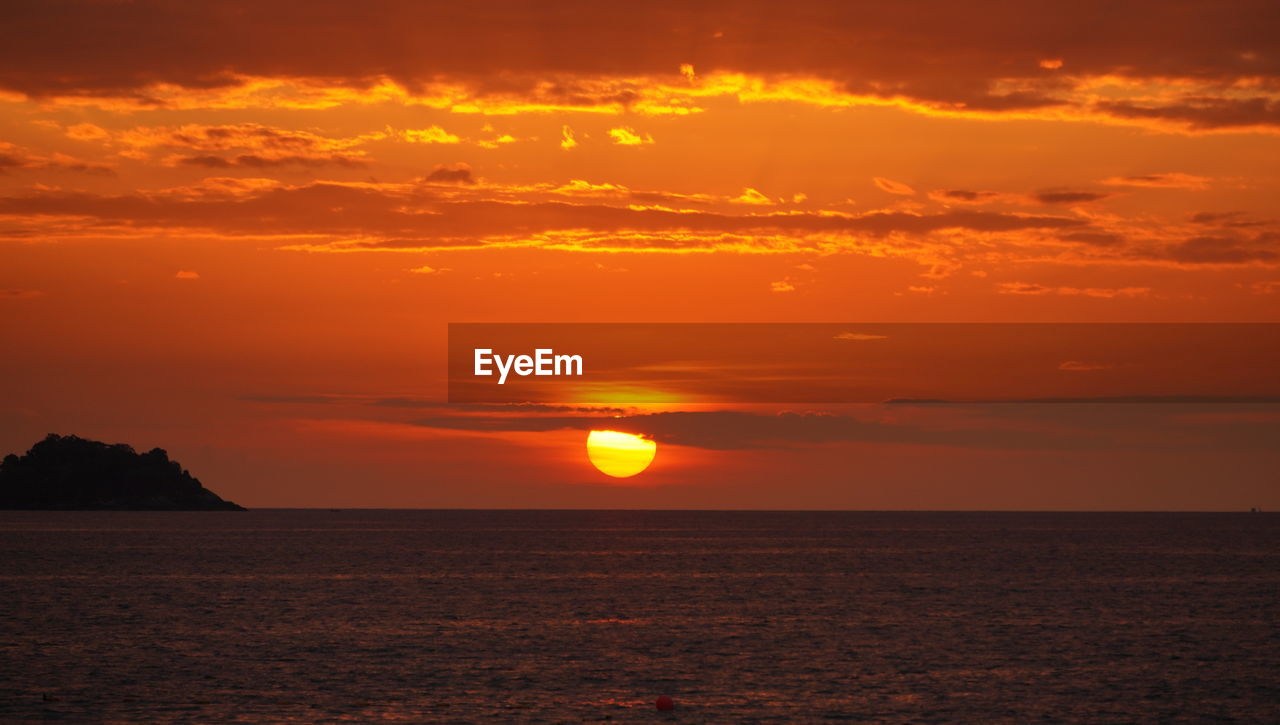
(255, 161)
(186, 274)
(229, 145)
(1068, 197)
(1047, 196)
(1224, 250)
(1094, 239)
(964, 196)
(1203, 67)
(429, 135)
(737, 430)
(1228, 219)
(1173, 180)
(859, 336)
(20, 294)
(629, 137)
(87, 132)
(208, 161)
(1209, 217)
(1203, 112)
(497, 408)
(752, 196)
(1028, 288)
(412, 403)
(496, 141)
(893, 187)
(367, 216)
(457, 174)
(567, 139)
(783, 286)
(16, 157)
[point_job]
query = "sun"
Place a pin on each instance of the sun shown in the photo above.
(619, 454)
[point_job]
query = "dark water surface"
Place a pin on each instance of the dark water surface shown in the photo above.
(418, 616)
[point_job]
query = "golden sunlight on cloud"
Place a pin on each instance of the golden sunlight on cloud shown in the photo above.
(752, 196)
(451, 209)
(1182, 106)
(567, 138)
(496, 142)
(1020, 160)
(432, 134)
(629, 137)
(1200, 70)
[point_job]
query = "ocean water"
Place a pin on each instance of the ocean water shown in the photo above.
(447, 616)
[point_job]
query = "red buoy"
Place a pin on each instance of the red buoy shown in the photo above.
(666, 703)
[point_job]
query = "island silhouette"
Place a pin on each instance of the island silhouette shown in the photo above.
(73, 473)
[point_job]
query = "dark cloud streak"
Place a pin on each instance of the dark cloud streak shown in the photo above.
(951, 54)
(737, 430)
(418, 215)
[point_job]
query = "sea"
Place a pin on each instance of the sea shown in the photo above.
(589, 616)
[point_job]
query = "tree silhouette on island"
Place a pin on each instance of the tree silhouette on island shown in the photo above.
(72, 473)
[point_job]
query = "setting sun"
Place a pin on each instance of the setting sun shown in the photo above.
(619, 454)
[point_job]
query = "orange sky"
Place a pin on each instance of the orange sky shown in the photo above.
(236, 230)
